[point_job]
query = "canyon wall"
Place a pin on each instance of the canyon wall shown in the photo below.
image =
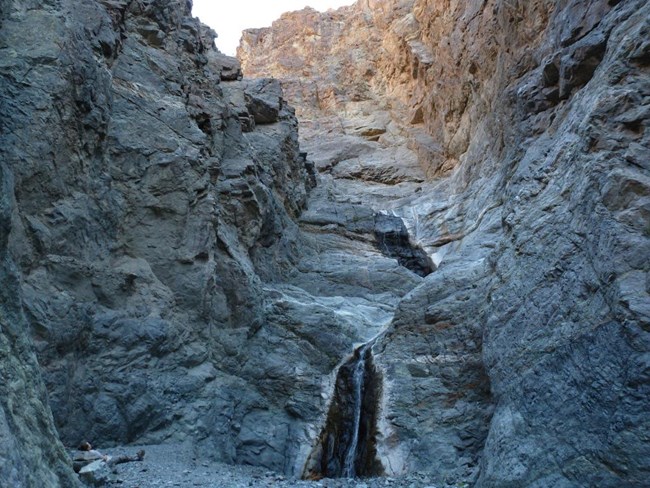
(30, 451)
(152, 188)
(522, 360)
(480, 220)
(174, 286)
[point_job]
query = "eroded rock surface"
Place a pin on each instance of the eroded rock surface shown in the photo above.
(142, 206)
(176, 286)
(184, 280)
(521, 360)
(30, 451)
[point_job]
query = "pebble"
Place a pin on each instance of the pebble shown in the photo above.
(176, 465)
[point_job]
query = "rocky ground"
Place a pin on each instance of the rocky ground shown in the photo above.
(179, 465)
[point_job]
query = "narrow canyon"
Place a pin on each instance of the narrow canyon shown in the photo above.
(404, 236)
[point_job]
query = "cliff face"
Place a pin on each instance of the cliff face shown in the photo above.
(480, 222)
(30, 451)
(523, 358)
(141, 212)
(174, 286)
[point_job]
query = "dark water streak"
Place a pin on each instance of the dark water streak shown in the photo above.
(347, 446)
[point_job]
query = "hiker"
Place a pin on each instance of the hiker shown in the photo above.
(86, 455)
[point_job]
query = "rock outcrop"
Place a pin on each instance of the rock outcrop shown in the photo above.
(30, 451)
(142, 210)
(521, 361)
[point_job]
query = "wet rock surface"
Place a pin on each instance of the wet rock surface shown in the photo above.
(393, 240)
(347, 445)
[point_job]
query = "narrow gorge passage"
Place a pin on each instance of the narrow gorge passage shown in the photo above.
(370, 262)
(463, 299)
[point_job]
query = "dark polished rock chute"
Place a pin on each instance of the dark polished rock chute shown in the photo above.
(393, 240)
(346, 447)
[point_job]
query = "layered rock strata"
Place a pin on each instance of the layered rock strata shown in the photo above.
(523, 134)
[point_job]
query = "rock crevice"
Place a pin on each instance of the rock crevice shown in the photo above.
(346, 448)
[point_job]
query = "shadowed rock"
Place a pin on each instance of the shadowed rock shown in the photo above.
(347, 445)
(393, 240)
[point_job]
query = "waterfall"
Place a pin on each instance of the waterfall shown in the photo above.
(358, 384)
(346, 446)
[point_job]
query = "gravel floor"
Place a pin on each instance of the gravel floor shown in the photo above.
(176, 465)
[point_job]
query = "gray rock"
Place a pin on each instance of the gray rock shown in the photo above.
(97, 473)
(506, 366)
(230, 67)
(263, 100)
(393, 240)
(30, 451)
(137, 251)
(182, 283)
(166, 278)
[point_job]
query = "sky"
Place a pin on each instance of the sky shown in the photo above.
(230, 17)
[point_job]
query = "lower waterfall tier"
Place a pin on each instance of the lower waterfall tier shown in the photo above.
(347, 445)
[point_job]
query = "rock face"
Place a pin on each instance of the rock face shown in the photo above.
(30, 452)
(523, 130)
(140, 207)
(480, 222)
(347, 445)
(175, 285)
